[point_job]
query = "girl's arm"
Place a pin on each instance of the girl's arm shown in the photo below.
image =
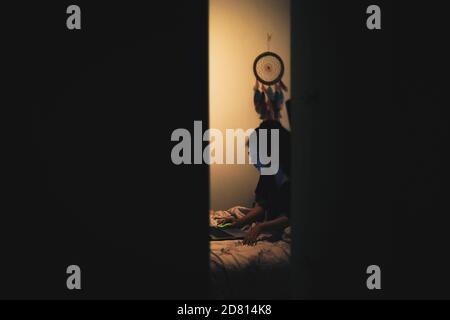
(256, 214)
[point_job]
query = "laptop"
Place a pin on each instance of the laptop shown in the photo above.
(216, 234)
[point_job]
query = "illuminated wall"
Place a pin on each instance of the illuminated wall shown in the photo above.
(237, 34)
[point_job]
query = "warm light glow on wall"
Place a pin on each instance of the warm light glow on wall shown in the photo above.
(237, 34)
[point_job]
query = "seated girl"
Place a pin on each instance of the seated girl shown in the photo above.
(272, 195)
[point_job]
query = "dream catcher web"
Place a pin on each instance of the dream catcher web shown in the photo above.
(268, 68)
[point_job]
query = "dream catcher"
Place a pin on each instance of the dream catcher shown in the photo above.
(269, 89)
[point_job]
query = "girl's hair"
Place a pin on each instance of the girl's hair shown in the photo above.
(284, 143)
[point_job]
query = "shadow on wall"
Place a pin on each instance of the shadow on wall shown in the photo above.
(237, 35)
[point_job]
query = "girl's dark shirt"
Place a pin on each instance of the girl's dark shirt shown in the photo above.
(275, 198)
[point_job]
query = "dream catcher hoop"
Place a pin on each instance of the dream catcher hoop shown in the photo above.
(268, 68)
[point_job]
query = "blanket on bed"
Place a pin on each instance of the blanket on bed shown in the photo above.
(250, 272)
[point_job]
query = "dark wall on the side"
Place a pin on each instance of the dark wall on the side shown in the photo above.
(368, 127)
(97, 187)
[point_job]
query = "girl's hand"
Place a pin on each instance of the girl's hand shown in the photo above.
(251, 238)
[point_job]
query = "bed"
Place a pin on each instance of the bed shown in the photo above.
(249, 272)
